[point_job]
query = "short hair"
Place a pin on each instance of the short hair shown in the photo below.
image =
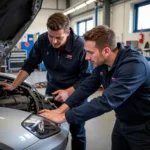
(58, 21)
(103, 37)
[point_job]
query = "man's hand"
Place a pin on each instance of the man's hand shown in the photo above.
(62, 95)
(57, 111)
(53, 116)
(62, 109)
(7, 86)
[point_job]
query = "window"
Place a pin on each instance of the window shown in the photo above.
(84, 26)
(141, 17)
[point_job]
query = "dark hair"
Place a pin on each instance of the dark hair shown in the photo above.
(58, 21)
(103, 37)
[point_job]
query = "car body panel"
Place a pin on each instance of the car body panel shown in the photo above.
(11, 131)
(57, 142)
(15, 18)
(13, 134)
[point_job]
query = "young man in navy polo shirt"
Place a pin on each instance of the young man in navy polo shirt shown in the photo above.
(125, 76)
(63, 55)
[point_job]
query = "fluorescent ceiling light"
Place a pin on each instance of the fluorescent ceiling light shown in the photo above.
(65, 13)
(89, 1)
(69, 11)
(80, 6)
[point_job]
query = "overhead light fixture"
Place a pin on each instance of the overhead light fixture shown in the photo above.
(65, 13)
(69, 11)
(89, 1)
(80, 6)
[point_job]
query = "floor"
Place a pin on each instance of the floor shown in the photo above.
(98, 129)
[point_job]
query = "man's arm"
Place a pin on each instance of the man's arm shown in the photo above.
(22, 75)
(82, 92)
(128, 80)
(87, 87)
(35, 56)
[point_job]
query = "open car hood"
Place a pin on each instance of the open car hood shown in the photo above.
(15, 18)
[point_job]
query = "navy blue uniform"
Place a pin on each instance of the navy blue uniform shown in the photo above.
(127, 92)
(65, 68)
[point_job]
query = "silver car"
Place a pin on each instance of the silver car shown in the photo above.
(20, 126)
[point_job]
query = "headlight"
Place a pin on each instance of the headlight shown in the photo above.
(40, 127)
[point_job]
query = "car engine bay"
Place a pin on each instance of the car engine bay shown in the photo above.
(24, 97)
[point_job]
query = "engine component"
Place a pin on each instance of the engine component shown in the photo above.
(49, 99)
(15, 99)
(25, 98)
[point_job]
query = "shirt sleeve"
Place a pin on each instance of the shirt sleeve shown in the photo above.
(35, 58)
(88, 86)
(130, 76)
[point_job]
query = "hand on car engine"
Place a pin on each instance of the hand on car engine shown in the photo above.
(7, 86)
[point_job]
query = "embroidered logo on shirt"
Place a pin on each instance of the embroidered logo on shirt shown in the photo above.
(69, 56)
(113, 78)
(101, 73)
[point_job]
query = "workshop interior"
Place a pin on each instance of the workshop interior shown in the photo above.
(21, 23)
